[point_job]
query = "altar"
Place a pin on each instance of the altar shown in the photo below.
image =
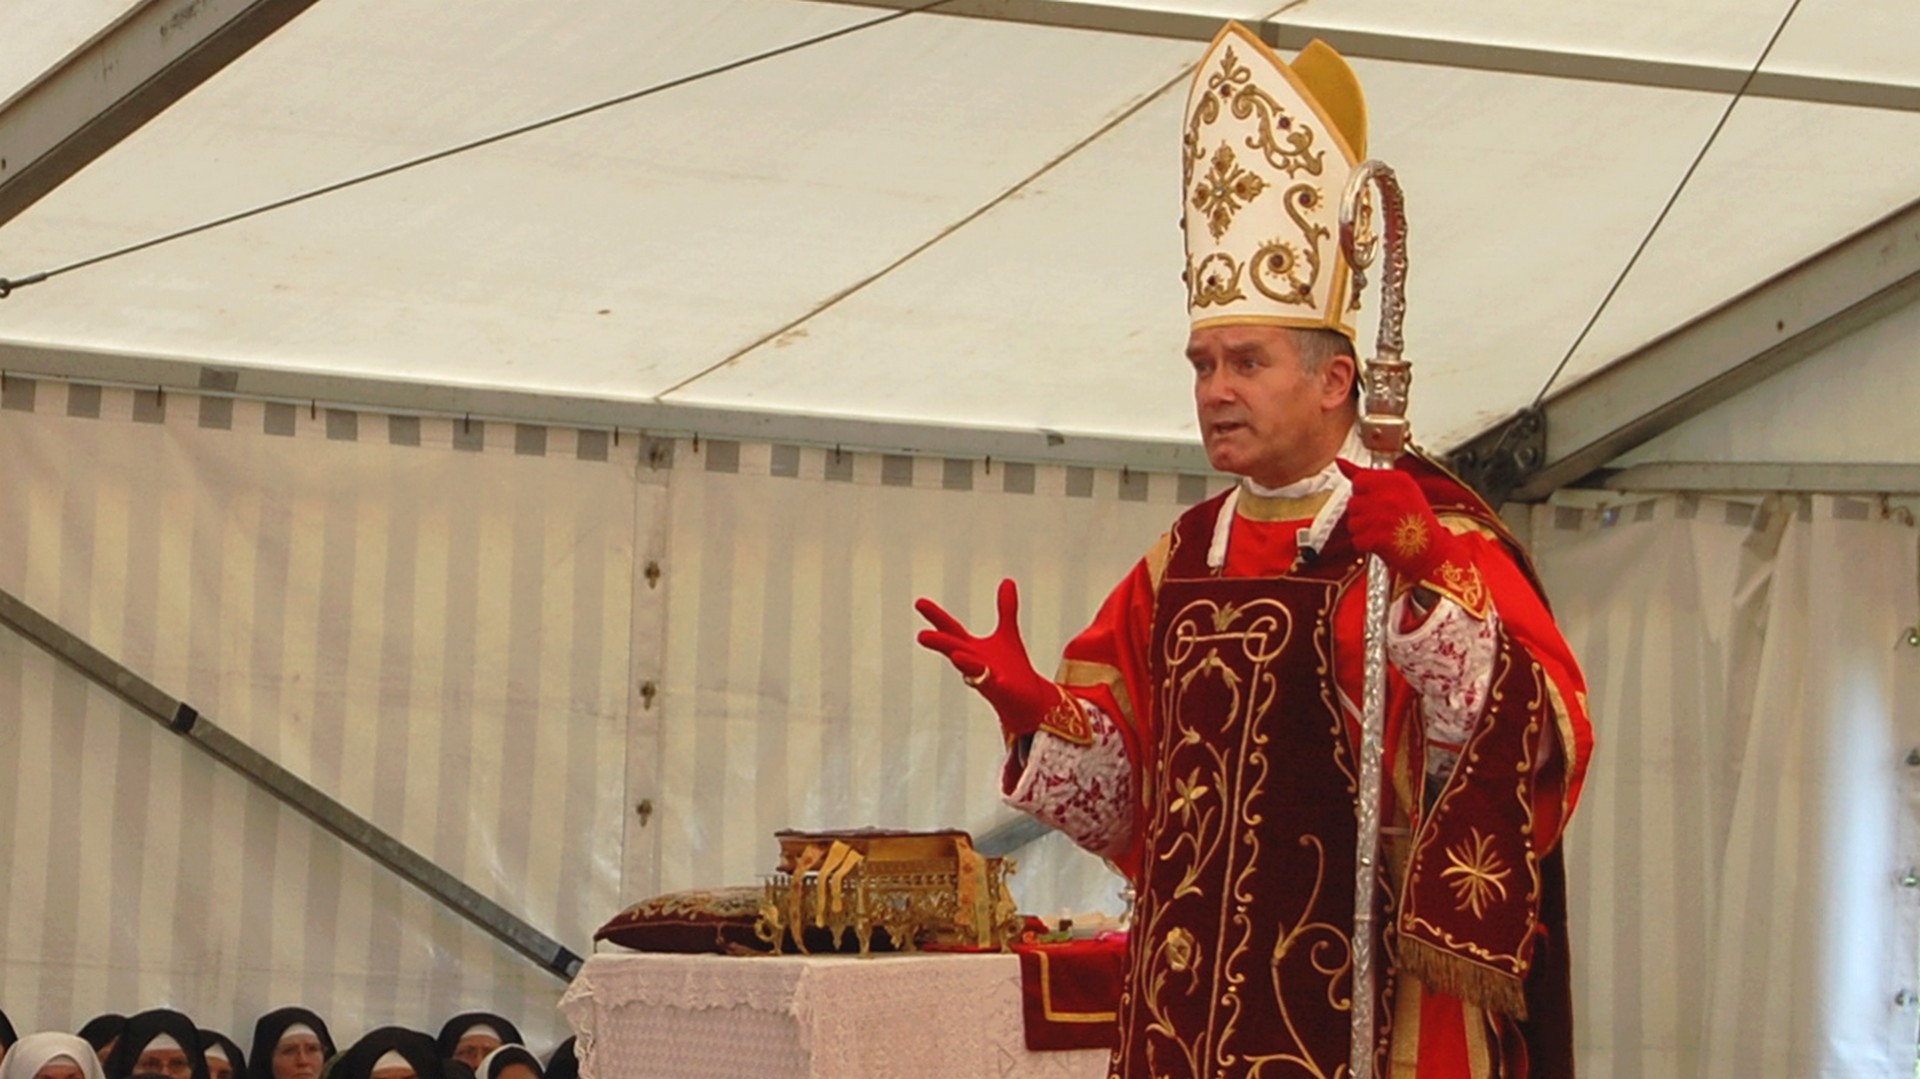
(938, 1016)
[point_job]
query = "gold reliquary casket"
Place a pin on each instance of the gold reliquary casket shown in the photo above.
(886, 889)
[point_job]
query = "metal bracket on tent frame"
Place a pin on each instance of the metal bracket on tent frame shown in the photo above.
(181, 718)
(1743, 342)
(151, 56)
(1496, 461)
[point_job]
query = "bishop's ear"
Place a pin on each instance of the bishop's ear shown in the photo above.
(1340, 381)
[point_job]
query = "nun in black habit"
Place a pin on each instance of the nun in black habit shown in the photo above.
(289, 1043)
(103, 1033)
(470, 1036)
(160, 1041)
(224, 1058)
(391, 1053)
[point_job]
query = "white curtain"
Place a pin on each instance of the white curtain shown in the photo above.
(427, 620)
(496, 642)
(1739, 865)
(799, 697)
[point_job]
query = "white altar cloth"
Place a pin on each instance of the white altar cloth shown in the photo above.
(648, 1015)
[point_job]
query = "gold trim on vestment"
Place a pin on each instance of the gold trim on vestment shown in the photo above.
(1266, 508)
(1479, 1054)
(1046, 1001)
(1080, 672)
(1156, 560)
(1563, 726)
(1403, 1045)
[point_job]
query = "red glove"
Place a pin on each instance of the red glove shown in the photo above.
(999, 669)
(1390, 517)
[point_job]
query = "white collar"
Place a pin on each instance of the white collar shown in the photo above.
(1314, 537)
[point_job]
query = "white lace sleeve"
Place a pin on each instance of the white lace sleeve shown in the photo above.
(1085, 791)
(1448, 660)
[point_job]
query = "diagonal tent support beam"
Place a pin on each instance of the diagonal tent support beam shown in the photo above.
(126, 75)
(1002, 840)
(1295, 30)
(179, 717)
(1749, 339)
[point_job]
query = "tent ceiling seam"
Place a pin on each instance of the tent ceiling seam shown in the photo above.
(974, 215)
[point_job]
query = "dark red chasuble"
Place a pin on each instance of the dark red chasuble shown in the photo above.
(1241, 954)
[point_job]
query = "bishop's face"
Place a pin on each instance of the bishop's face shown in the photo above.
(1262, 414)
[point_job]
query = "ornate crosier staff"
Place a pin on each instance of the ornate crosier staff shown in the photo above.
(1383, 428)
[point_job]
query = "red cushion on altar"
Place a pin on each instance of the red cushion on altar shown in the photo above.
(1070, 992)
(717, 920)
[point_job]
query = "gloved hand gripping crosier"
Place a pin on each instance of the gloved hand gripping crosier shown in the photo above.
(998, 668)
(1389, 516)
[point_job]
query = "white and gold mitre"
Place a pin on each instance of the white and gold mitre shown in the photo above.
(1267, 152)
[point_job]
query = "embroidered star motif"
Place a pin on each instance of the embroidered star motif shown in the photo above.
(1478, 874)
(1410, 536)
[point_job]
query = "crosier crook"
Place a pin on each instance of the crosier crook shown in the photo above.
(1383, 428)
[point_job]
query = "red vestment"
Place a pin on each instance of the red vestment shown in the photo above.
(1236, 694)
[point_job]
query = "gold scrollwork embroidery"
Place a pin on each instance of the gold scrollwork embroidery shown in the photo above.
(1222, 85)
(1215, 281)
(1479, 876)
(1179, 949)
(1276, 267)
(1464, 584)
(1224, 189)
(1286, 144)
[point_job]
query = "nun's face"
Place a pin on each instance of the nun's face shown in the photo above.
(473, 1048)
(172, 1063)
(298, 1056)
(219, 1068)
(396, 1071)
(60, 1068)
(516, 1071)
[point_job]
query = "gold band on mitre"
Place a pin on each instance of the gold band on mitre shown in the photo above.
(1268, 148)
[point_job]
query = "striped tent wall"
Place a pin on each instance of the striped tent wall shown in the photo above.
(427, 620)
(1742, 899)
(495, 642)
(797, 695)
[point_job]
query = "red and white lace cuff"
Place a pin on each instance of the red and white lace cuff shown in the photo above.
(1448, 660)
(1086, 791)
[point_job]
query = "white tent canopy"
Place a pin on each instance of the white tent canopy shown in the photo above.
(781, 347)
(959, 232)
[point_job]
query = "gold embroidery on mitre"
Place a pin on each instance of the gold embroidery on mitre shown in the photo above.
(1245, 98)
(1216, 281)
(1224, 189)
(1478, 875)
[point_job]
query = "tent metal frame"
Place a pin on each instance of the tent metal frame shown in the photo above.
(125, 75)
(1292, 33)
(356, 831)
(1724, 352)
